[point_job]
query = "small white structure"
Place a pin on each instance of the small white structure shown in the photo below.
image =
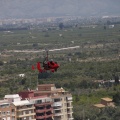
(21, 103)
(4, 62)
(21, 75)
(72, 42)
(12, 98)
(60, 35)
(18, 43)
(111, 26)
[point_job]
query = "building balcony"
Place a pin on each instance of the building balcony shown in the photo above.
(25, 108)
(69, 101)
(69, 112)
(58, 114)
(25, 115)
(57, 108)
(69, 106)
(40, 117)
(40, 111)
(44, 116)
(13, 118)
(47, 116)
(50, 109)
(13, 114)
(44, 104)
(70, 118)
(58, 118)
(57, 104)
(43, 110)
(69, 98)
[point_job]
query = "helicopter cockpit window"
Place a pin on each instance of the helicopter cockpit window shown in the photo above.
(51, 62)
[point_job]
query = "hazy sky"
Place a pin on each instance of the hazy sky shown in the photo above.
(40, 8)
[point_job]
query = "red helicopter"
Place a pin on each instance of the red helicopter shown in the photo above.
(47, 65)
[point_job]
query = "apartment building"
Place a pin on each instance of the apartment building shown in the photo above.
(43, 108)
(46, 103)
(13, 108)
(62, 101)
(43, 105)
(24, 110)
(7, 110)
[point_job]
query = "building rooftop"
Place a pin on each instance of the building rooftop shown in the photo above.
(51, 92)
(99, 105)
(40, 97)
(12, 96)
(47, 85)
(21, 103)
(4, 102)
(107, 99)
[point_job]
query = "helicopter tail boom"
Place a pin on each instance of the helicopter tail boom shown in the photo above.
(39, 67)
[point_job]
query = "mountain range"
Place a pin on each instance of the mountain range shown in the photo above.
(10, 9)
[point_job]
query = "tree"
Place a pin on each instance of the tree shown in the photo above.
(35, 45)
(104, 27)
(116, 115)
(61, 26)
(116, 77)
(108, 22)
(116, 98)
(46, 35)
(1, 63)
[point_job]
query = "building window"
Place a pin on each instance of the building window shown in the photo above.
(13, 110)
(3, 118)
(39, 101)
(8, 112)
(3, 113)
(29, 106)
(13, 118)
(19, 118)
(57, 100)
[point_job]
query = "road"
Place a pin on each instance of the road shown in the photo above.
(37, 51)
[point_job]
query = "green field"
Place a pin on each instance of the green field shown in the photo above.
(98, 58)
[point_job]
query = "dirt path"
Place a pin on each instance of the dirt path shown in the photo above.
(36, 51)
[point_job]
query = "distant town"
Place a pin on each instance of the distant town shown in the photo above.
(75, 19)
